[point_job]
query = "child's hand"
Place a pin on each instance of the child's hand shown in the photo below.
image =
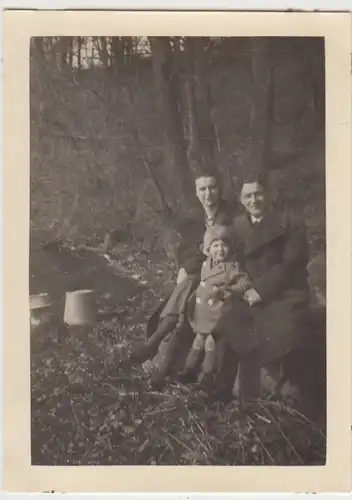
(252, 297)
(218, 293)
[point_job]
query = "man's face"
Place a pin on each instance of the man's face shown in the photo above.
(219, 250)
(253, 198)
(207, 191)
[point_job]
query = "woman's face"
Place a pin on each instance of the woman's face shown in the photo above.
(207, 191)
(253, 198)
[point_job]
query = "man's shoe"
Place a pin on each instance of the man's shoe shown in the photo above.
(223, 395)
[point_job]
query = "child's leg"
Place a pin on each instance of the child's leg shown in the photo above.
(209, 358)
(218, 354)
(189, 373)
(195, 353)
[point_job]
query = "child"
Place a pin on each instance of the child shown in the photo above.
(221, 277)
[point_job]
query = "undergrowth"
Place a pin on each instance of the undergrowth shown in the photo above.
(86, 412)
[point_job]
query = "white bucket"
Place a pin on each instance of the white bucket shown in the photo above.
(80, 308)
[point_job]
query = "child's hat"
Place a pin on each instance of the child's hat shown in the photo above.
(216, 233)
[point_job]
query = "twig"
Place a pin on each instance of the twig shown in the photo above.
(79, 425)
(206, 448)
(292, 411)
(149, 413)
(200, 428)
(170, 446)
(262, 418)
(136, 393)
(284, 436)
(191, 452)
(242, 448)
(265, 448)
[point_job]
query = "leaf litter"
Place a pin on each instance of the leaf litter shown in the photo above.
(86, 412)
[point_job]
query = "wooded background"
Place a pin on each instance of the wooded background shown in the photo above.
(120, 124)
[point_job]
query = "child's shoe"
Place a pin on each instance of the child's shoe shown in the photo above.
(206, 382)
(187, 377)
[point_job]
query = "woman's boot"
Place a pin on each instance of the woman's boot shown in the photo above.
(147, 349)
(165, 365)
(188, 374)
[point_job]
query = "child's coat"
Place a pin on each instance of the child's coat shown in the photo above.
(218, 280)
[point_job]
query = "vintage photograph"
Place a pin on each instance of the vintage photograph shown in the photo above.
(177, 266)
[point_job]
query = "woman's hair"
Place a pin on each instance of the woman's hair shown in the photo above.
(206, 171)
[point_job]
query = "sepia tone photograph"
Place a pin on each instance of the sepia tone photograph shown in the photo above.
(176, 286)
(177, 267)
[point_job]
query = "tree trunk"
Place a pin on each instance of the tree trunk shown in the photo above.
(104, 53)
(129, 47)
(117, 50)
(309, 56)
(71, 52)
(260, 113)
(39, 45)
(63, 55)
(168, 95)
(203, 144)
(79, 50)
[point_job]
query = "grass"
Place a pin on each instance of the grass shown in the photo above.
(85, 411)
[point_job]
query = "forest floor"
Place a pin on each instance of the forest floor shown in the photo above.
(86, 412)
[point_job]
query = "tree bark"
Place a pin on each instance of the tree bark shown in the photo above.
(71, 52)
(203, 144)
(168, 96)
(104, 53)
(314, 67)
(79, 49)
(260, 114)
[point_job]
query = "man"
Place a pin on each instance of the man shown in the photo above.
(275, 255)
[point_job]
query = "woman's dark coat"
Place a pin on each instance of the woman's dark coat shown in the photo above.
(189, 254)
(189, 257)
(275, 256)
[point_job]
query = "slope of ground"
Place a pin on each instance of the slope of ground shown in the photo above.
(85, 411)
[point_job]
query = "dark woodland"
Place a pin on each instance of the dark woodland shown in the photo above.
(119, 126)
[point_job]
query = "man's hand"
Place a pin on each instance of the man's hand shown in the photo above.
(181, 276)
(252, 297)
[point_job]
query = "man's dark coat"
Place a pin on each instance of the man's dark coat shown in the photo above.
(275, 255)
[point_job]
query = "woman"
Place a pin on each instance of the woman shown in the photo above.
(215, 210)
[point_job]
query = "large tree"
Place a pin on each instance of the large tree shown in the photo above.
(169, 104)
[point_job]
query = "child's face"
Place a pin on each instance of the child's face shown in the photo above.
(219, 250)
